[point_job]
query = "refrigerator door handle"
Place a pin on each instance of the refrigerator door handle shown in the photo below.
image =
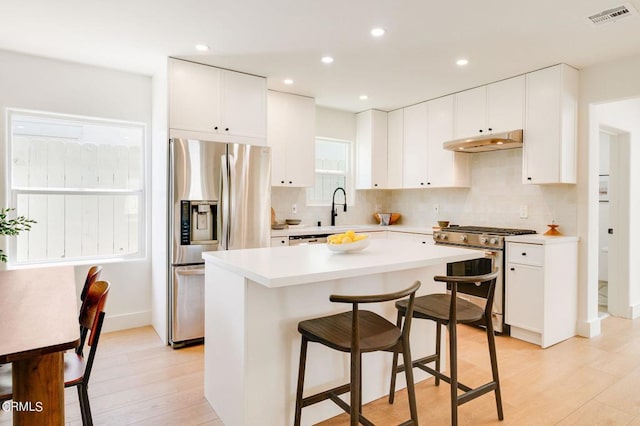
(224, 203)
(189, 272)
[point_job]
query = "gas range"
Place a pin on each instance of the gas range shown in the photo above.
(476, 236)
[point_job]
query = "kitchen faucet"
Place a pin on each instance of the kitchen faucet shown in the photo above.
(334, 213)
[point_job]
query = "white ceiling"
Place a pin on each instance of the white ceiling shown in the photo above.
(277, 39)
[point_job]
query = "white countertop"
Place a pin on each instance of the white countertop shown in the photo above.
(541, 239)
(311, 230)
(293, 265)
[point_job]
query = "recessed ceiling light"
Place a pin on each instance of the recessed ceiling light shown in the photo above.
(462, 62)
(377, 32)
(364, 97)
(202, 48)
(288, 81)
(327, 59)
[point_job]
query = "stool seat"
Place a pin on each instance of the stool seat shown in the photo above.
(334, 331)
(436, 307)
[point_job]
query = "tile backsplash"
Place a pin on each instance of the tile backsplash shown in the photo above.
(496, 198)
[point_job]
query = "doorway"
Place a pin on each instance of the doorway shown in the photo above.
(617, 123)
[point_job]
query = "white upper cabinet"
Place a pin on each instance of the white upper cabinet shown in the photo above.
(371, 149)
(395, 140)
(291, 136)
(549, 154)
(211, 103)
(444, 168)
(505, 105)
(471, 112)
(414, 150)
(494, 108)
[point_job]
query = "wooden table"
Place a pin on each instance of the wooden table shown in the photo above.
(38, 322)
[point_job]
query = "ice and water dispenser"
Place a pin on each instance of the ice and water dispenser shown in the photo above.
(198, 222)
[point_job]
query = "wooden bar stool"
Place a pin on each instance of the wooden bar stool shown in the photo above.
(450, 310)
(357, 332)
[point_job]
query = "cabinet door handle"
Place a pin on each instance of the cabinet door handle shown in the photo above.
(480, 130)
(281, 181)
(421, 183)
(290, 182)
(226, 129)
(524, 254)
(512, 269)
(529, 178)
(375, 184)
(215, 128)
(490, 129)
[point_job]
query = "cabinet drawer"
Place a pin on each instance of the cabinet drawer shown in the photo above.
(525, 254)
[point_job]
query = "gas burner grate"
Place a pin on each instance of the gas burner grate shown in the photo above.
(489, 230)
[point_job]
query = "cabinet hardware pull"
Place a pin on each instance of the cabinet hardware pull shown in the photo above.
(226, 129)
(290, 182)
(490, 129)
(513, 269)
(529, 178)
(524, 254)
(480, 130)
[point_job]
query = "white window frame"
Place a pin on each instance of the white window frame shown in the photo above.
(141, 193)
(350, 173)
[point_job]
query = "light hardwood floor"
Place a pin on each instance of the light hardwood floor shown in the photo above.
(137, 380)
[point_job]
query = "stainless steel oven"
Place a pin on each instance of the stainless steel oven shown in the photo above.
(491, 241)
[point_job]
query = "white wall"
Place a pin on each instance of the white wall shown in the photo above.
(611, 81)
(37, 83)
(159, 216)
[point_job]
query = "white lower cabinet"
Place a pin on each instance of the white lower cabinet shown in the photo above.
(411, 236)
(279, 241)
(541, 288)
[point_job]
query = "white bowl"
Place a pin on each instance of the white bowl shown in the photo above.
(349, 247)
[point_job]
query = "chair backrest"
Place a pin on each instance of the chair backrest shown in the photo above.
(92, 276)
(91, 319)
(378, 298)
(483, 286)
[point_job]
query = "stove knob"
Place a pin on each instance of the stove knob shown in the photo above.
(442, 236)
(483, 240)
(493, 241)
(463, 238)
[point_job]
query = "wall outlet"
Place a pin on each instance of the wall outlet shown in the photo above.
(294, 208)
(524, 211)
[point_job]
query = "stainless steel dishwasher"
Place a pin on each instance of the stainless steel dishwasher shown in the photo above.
(296, 240)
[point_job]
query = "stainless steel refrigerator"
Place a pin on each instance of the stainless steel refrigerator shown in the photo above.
(220, 199)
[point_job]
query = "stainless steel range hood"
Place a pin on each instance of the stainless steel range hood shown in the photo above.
(493, 142)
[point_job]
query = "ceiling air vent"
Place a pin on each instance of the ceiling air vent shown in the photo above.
(613, 14)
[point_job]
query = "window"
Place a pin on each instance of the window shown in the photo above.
(82, 180)
(333, 169)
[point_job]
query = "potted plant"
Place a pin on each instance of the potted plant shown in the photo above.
(12, 227)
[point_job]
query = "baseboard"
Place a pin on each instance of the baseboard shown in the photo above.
(634, 311)
(589, 329)
(125, 321)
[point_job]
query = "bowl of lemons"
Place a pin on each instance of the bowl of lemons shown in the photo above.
(347, 242)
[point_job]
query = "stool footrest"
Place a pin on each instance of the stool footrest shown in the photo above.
(324, 395)
(474, 393)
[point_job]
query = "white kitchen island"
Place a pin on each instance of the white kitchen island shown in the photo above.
(254, 299)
